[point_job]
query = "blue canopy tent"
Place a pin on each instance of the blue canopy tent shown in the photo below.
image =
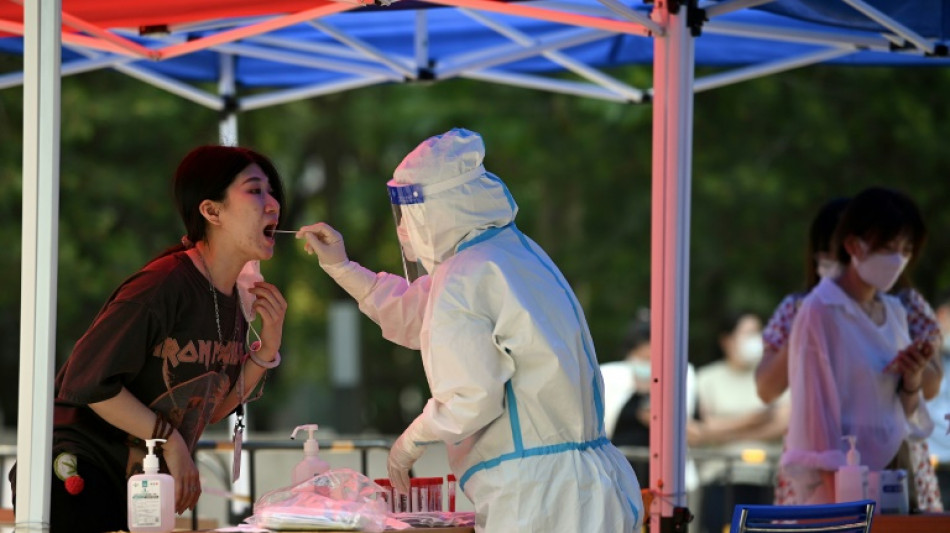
(266, 52)
(344, 46)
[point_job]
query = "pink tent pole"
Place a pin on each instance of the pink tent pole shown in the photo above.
(669, 269)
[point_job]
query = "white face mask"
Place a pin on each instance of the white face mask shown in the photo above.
(828, 268)
(880, 269)
(750, 349)
(249, 275)
(641, 369)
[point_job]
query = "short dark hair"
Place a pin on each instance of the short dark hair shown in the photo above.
(637, 333)
(206, 172)
(879, 215)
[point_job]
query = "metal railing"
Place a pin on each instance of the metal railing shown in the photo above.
(215, 450)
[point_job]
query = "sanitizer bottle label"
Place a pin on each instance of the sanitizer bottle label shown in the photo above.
(146, 503)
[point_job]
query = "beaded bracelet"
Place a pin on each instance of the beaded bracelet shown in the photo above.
(267, 365)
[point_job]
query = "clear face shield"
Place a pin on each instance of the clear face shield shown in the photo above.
(401, 196)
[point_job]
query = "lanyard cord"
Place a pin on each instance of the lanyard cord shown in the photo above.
(217, 319)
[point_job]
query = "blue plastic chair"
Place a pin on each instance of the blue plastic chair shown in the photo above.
(848, 517)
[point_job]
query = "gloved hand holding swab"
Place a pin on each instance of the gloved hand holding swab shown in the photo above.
(324, 241)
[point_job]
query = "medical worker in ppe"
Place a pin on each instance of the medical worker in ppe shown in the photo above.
(517, 396)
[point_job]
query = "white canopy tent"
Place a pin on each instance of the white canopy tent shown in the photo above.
(353, 59)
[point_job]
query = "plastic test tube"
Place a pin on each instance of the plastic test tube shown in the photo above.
(387, 494)
(450, 479)
(433, 492)
(402, 503)
(415, 485)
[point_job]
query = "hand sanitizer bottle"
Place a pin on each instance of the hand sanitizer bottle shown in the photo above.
(151, 497)
(311, 465)
(851, 480)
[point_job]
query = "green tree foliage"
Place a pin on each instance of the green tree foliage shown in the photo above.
(766, 154)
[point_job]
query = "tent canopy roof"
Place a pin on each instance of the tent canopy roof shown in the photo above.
(303, 48)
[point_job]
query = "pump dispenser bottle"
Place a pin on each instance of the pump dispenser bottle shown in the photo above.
(851, 480)
(151, 497)
(311, 465)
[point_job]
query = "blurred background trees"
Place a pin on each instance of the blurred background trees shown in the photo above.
(766, 154)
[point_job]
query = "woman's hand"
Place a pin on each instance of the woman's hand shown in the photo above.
(272, 307)
(910, 364)
(183, 471)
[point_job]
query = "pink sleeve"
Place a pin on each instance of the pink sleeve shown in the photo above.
(776, 332)
(921, 319)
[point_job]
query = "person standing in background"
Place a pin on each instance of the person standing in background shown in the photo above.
(853, 369)
(772, 372)
(627, 397)
(629, 377)
(939, 405)
(732, 418)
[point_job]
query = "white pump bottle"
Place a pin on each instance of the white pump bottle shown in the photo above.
(151, 497)
(311, 465)
(851, 480)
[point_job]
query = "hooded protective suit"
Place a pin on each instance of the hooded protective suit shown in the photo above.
(516, 392)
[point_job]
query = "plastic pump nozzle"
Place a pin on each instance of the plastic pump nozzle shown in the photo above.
(150, 463)
(853, 457)
(310, 446)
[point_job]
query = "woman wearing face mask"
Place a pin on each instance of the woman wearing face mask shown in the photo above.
(771, 375)
(627, 397)
(853, 367)
(732, 418)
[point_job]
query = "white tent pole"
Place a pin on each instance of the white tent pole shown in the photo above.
(721, 8)
(38, 270)
(252, 30)
(560, 17)
(877, 16)
(311, 48)
(776, 33)
(304, 60)
(421, 40)
(365, 48)
(669, 268)
(260, 101)
(587, 90)
(227, 88)
(511, 52)
(569, 63)
(228, 136)
(622, 10)
(722, 79)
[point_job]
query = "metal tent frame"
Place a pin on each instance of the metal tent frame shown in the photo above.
(333, 46)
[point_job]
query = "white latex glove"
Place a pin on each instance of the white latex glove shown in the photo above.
(407, 449)
(326, 242)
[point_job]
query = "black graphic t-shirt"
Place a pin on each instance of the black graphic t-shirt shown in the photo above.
(156, 336)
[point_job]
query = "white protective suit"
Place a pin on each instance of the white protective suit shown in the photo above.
(517, 396)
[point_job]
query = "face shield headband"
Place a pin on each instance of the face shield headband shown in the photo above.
(403, 195)
(399, 196)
